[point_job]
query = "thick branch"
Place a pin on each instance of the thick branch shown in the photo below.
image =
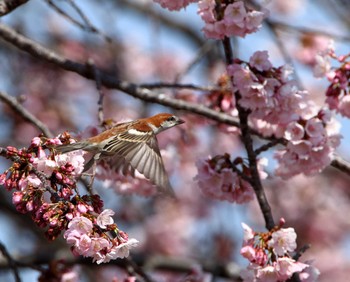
(7, 6)
(341, 164)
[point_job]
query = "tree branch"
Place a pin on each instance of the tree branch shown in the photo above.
(24, 113)
(7, 6)
(248, 143)
(341, 164)
(87, 26)
(11, 262)
(35, 49)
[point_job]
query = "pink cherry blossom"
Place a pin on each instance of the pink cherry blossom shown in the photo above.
(248, 232)
(105, 218)
(174, 5)
(222, 185)
(81, 224)
(314, 127)
(285, 267)
(312, 142)
(238, 20)
(344, 106)
(260, 61)
(322, 65)
(294, 131)
(123, 249)
(259, 250)
(267, 273)
(283, 241)
(271, 98)
(235, 13)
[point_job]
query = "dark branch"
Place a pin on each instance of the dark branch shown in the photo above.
(35, 49)
(87, 26)
(25, 114)
(7, 6)
(248, 143)
(11, 262)
(341, 164)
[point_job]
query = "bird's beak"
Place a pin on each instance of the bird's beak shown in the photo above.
(180, 121)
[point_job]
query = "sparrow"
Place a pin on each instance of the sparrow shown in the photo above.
(131, 145)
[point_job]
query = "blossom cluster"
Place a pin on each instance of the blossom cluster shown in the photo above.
(310, 147)
(338, 96)
(174, 5)
(44, 185)
(87, 238)
(267, 91)
(275, 103)
(269, 256)
(217, 180)
(234, 19)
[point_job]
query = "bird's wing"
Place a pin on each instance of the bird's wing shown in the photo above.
(141, 151)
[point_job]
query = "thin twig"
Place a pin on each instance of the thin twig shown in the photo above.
(242, 175)
(25, 114)
(87, 22)
(87, 26)
(11, 262)
(269, 145)
(280, 43)
(136, 269)
(97, 79)
(160, 85)
(300, 252)
(307, 30)
(200, 54)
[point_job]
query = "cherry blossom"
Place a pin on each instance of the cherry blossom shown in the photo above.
(237, 19)
(283, 241)
(267, 91)
(174, 5)
(105, 218)
(222, 183)
(269, 255)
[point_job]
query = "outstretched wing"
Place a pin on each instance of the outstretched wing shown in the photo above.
(141, 151)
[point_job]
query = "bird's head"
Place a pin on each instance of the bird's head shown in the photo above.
(163, 121)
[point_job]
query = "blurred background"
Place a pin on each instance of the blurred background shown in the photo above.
(139, 42)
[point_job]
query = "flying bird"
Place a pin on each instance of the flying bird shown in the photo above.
(132, 144)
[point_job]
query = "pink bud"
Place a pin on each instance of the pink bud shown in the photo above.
(29, 206)
(59, 175)
(2, 178)
(17, 197)
(35, 142)
(82, 208)
(282, 222)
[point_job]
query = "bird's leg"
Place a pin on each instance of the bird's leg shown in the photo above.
(92, 163)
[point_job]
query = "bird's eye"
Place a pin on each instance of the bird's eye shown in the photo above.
(172, 118)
